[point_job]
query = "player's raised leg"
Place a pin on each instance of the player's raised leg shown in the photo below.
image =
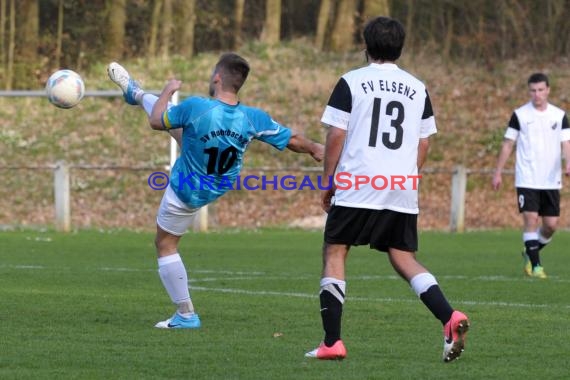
(424, 284)
(132, 92)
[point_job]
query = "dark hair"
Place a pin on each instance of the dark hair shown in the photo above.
(384, 38)
(233, 69)
(537, 78)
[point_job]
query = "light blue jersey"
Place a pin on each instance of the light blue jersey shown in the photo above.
(215, 137)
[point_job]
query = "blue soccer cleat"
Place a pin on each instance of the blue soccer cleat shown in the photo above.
(179, 322)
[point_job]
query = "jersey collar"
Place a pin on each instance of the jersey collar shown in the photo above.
(384, 66)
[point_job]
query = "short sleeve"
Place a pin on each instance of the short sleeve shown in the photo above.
(339, 107)
(427, 126)
(565, 129)
(271, 132)
(514, 127)
(178, 115)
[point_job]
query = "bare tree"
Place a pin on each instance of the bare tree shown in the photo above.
(342, 36)
(272, 27)
(166, 29)
(238, 24)
(59, 37)
(410, 22)
(11, 45)
(449, 34)
(28, 36)
(188, 10)
(154, 25)
(375, 8)
(2, 34)
(557, 27)
(115, 35)
(322, 23)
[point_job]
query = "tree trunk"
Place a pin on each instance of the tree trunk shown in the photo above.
(272, 28)
(342, 36)
(238, 15)
(188, 25)
(322, 23)
(2, 34)
(11, 45)
(409, 23)
(557, 37)
(59, 37)
(166, 29)
(449, 33)
(154, 25)
(375, 8)
(28, 36)
(116, 28)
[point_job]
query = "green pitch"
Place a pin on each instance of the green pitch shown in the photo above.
(83, 306)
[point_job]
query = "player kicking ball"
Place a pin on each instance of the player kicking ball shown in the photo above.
(213, 134)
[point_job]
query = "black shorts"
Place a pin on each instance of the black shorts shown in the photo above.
(545, 202)
(382, 229)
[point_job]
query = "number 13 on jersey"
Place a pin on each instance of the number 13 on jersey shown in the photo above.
(394, 112)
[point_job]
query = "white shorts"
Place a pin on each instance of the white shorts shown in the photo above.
(174, 216)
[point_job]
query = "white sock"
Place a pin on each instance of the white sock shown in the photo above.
(530, 236)
(420, 283)
(542, 239)
(175, 280)
(148, 100)
(328, 284)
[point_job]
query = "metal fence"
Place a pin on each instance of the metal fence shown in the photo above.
(69, 195)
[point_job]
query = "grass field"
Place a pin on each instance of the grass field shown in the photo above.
(83, 306)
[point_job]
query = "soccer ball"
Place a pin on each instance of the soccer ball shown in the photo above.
(65, 88)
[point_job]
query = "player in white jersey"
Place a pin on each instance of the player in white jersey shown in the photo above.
(213, 134)
(542, 134)
(379, 120)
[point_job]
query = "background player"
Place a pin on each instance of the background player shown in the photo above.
(215, 134)
(539, 130)
(379, 119)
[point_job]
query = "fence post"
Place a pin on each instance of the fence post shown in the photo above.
(61, 189)
(458, 188)
(201, 220)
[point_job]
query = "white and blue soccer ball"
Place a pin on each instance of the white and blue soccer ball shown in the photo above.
(65, 88)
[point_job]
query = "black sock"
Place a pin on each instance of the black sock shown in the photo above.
(532, 249)
(331, 313)
(435, 301)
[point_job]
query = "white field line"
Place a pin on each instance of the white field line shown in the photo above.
(243, 275)
(253, 276)
(379, 300)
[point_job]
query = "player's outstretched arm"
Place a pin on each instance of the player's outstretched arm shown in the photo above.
(155, 118)
(506, 150)
(298, 143)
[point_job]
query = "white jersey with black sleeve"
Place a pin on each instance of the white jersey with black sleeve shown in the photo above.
(538, 136)
(385, 111)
